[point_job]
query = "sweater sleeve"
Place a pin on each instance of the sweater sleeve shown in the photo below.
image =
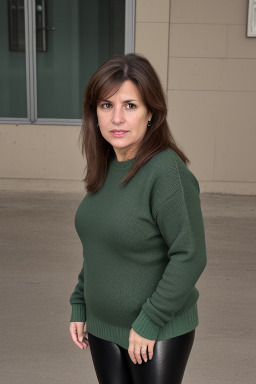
(77, 300)
(180, 222)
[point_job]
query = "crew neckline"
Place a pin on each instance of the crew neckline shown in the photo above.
(122, 164)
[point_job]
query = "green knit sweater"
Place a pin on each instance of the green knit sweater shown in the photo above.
(143, 252)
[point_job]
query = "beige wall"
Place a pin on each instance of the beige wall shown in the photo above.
(40, 157)
(209, 78)
(207, 68)
(212, 92)
(152, 34)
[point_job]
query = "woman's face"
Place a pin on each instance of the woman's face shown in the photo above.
(123, 120)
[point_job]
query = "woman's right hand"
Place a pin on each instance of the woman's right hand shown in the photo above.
(79, 335)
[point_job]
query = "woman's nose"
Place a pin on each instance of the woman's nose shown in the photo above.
(118, 115)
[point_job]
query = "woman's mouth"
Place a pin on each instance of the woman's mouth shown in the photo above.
(118, 133)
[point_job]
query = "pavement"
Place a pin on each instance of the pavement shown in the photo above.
(41, 256)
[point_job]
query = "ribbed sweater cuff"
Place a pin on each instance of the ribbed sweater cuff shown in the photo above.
(78, 312)
(145, 327)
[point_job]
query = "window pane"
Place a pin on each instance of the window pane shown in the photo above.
(13, 100)
(79, 35)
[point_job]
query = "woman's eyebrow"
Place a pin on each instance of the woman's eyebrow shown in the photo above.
(129, 101)
(105, 101)
(125, 101)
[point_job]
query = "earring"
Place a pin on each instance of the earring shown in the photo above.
(149, 123)
(98, 125)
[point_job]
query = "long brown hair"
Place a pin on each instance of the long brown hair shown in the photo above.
(106, 81)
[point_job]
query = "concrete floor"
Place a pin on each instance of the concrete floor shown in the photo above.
(41, 256)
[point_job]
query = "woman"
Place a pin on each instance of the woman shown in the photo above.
(142, 232)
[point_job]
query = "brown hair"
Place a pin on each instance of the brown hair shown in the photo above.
(106, 81)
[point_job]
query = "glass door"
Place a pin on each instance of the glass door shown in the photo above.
(74, 38)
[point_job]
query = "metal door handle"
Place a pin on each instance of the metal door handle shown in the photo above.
(46, 28)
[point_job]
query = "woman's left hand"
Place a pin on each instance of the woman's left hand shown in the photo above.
(138, 347)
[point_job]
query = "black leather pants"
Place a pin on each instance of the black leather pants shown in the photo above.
(113, 365)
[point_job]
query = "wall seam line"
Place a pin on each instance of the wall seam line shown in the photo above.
(168, 51)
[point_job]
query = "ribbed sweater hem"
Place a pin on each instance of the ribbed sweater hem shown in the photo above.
(182, 323)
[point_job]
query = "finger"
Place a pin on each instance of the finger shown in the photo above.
(143, 352)
(73, 333)
(85, 344)
(85, 341)
(80, 331)
(150, 351)
(137, 354)
(131, 352)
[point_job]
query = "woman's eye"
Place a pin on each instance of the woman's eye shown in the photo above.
(130, 106)
(106, 105)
